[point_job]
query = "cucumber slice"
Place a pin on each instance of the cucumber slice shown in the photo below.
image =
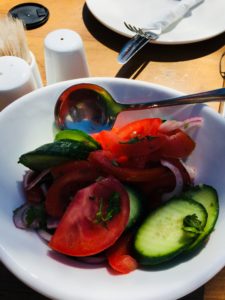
(207, 196)
(161, 237)
(79, 136)
(53, 154)
(135, 206)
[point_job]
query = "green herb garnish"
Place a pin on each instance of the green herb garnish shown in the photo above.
(37, 215)
(191, 223)
(113, 208)
(115, 163)
(137, 139)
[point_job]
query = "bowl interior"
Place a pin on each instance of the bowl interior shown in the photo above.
(28, 123)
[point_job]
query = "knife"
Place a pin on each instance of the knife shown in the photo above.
(138, 41)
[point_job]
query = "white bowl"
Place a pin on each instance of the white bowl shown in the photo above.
(26, 124)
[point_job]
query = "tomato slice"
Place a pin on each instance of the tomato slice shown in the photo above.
(139, 128)
(80, 166)
(71, 177)
(119, 255)
(136, 137)
(125, 152)
(94, 220)
(108, 140)
(140, 142)
(34, 195)
(177, 145)
(105, 162)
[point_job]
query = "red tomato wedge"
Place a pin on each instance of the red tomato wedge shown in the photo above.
(94, 220)
(80, 166)
(140, 143)
(34, 195)
(139, 128)
(119, 257)
(136, 137)
(167, 183)
(126, 152)
(107, 139)
(105, 162)
(71, 177)
(177, 145)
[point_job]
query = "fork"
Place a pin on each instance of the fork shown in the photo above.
(145, 35)
(138, 41)
(153, 32)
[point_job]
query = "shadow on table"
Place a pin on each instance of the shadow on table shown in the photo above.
(151, 52)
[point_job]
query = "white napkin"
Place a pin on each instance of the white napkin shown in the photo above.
(178, 12)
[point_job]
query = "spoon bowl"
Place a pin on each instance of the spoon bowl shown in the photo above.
(86, 106)
(91, 108)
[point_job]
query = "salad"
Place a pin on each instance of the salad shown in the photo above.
(122, 196)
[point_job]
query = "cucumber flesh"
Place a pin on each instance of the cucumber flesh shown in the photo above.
(207, 196)
(161, 237)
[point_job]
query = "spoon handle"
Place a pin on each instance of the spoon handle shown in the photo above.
(217, 95)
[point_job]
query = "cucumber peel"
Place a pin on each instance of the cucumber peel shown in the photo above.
(136, 209)
(79, 136)
(207, 196)
(52, 154)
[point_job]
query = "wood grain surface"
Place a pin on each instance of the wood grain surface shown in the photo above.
(188, 68)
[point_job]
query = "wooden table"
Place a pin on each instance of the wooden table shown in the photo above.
(187, 68)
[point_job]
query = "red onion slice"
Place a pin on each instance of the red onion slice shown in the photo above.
(30, 179)
(192, 172)
(179, 180)
(26, 178)
(185, 125)
(19, 216)
(46, 236)
(52, 223)
(44, 188)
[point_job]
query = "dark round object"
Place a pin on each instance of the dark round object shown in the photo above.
(33, 15)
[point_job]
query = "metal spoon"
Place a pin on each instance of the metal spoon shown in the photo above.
(91, 108)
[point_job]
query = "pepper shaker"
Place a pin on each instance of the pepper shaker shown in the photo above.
(65, 57)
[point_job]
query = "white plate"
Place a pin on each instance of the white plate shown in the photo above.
(204, 21)
(26, 124)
